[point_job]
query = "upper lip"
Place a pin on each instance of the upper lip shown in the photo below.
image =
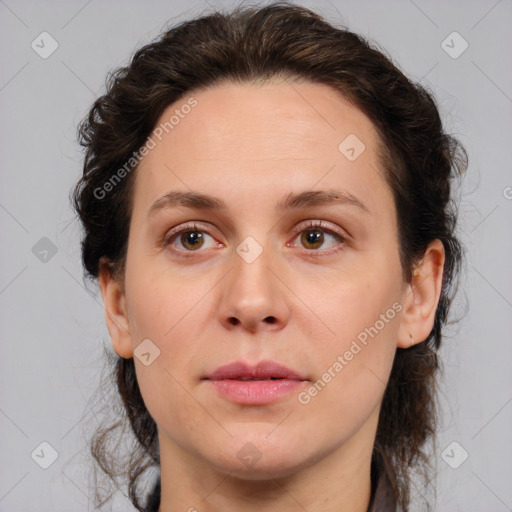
(262, 370)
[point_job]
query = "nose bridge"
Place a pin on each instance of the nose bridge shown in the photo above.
(251, 277)
(253, 298)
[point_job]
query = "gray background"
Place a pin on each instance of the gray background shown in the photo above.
(52, 327)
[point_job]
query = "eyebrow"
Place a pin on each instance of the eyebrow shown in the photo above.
(292, 201)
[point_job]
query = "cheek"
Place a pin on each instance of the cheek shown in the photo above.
(159, 304)
(164, 311)
(350, 307)
(168, 402)
(352, 383)
(354, 363)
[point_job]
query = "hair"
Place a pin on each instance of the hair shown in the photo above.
(419, 160)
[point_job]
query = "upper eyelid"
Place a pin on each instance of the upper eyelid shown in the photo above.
(322, 224)
(180, 228)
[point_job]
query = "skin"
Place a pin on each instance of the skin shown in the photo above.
(251, 145)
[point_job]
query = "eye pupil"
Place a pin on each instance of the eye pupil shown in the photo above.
(313, 236)
(190, 239)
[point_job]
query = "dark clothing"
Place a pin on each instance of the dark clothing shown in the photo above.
(154, 497)
(381, 498)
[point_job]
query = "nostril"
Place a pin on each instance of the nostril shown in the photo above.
(234, 321)
(270, 319)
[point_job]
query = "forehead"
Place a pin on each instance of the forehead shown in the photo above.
(245, 137)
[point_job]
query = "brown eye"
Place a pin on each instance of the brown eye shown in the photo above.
(312, 238)
(319, 240)
(189, 238)
(192, 240)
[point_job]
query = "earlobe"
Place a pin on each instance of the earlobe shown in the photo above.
(116, 316)
(421, 297)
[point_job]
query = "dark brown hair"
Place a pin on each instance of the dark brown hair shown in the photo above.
(419, 160)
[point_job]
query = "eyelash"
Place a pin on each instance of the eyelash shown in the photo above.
(313, 225)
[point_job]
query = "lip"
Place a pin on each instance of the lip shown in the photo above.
(242, 383)
(262, 370)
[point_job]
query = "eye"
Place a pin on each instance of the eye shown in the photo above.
(190, 237)
(315, 235)
(193, 237)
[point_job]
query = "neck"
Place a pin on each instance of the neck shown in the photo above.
(337, 481)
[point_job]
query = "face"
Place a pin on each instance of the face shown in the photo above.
(297, 265)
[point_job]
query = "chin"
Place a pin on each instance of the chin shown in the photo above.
(259, 457)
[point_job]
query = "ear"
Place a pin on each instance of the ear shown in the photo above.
(116, 316)
(421, 297)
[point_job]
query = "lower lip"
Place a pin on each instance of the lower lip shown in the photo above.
(255, 392)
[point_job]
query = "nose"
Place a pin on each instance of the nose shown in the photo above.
(253, 297)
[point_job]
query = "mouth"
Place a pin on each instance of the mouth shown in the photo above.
(264, 370)
(260, 384)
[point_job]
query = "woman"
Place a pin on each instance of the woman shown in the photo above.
(267, 207)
